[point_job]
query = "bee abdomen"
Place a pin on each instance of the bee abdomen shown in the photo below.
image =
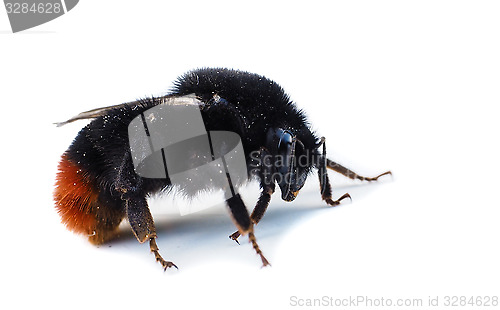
(78, 204)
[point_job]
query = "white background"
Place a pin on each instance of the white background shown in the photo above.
(410, 86)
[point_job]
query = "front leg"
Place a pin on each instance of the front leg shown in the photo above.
(324, 182)
(326, 189)
(330, 164)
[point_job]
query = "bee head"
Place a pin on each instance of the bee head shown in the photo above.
(289, 171)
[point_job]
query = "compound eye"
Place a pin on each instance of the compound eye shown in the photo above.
(285, 142)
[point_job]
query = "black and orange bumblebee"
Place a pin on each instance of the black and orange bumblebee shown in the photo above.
(97, 186)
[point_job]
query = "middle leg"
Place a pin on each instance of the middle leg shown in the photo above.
(258, 211)
(267, 185)
(244, 224)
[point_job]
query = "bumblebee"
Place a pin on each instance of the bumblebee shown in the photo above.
(98, 184)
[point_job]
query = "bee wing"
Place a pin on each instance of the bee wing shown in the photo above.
(190, 99)
(92, 113)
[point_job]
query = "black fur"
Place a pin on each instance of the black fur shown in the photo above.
(250, 105)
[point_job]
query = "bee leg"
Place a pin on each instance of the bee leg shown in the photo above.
(351, 174)
(324, 182)
(128, 185)
(244, 224)
(267, 185)
(143, 226)
(258, 211)
(154, 248)
(326, 189)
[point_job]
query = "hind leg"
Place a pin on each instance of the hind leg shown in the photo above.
(143, 226)
(130, 186)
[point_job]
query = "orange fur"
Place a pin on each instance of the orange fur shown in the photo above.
(76, 198)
